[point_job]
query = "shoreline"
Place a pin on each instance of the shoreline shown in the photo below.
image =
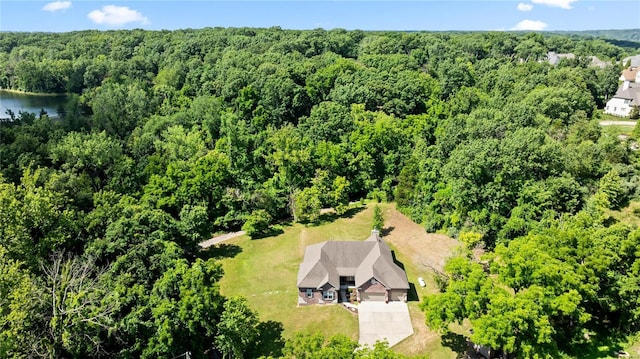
(43, 94)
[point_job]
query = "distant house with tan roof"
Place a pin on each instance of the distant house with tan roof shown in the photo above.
(366, 267)
(632, 74)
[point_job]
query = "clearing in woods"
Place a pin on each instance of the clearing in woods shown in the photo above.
(265, 270)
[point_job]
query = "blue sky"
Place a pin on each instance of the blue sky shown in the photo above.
(70, 15)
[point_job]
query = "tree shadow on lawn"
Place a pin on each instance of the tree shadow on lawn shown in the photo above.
(458, 344)
(330, 217)
(275, 229)
(412, 294)
(599, 345)
(270, 342)
(386, 231)
(271, 232)
(220, 251)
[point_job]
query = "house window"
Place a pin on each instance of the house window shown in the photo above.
(615, 109)
(348, 281)
(327, 295)
(309, 293)
(374, 281)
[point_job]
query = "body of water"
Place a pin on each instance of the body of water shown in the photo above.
(17, 102)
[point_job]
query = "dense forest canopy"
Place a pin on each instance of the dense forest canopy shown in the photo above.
(170, 136)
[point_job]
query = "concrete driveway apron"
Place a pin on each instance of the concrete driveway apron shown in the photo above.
(384, 321)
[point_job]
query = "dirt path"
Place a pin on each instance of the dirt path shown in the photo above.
(221, 238)
(428, 250)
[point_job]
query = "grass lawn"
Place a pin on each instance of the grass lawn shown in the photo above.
(626, 129)
(634, 348)
(629, 214)
(265, 270)
(623, 126)
(608, 117)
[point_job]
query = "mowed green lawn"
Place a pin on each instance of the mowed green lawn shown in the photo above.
(265, 271)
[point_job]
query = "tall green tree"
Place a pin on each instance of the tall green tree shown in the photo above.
(21, 299)
(186, 306)
(378, 218)
(237, 328)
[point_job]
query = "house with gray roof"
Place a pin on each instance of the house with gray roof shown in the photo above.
(627, 97)
(554, 58)
(596, 62)
(633, 61)
(366, 267)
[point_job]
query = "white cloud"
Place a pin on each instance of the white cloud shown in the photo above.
(117, 16)
(524, 7)
(57, 6)
(533, 25)
(565, 4)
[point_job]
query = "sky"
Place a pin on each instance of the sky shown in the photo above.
(430, 15)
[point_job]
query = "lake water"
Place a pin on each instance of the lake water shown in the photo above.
(31, 103)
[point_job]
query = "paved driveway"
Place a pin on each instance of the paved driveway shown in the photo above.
(380, 320)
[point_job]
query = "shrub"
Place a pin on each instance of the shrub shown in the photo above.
(257, 223)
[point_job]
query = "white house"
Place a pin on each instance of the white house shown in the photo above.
(627, 97)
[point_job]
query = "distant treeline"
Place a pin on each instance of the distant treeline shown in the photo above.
(628, 38)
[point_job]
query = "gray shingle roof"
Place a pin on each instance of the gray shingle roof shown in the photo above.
(554, 58)
(634, 61)
(595, 61)
(325, 262)
(632, 93)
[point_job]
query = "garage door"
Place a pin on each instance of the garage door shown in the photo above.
(378, 297)
(398, 295)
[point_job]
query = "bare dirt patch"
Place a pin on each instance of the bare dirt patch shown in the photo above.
(421, 254)
(428, 251)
